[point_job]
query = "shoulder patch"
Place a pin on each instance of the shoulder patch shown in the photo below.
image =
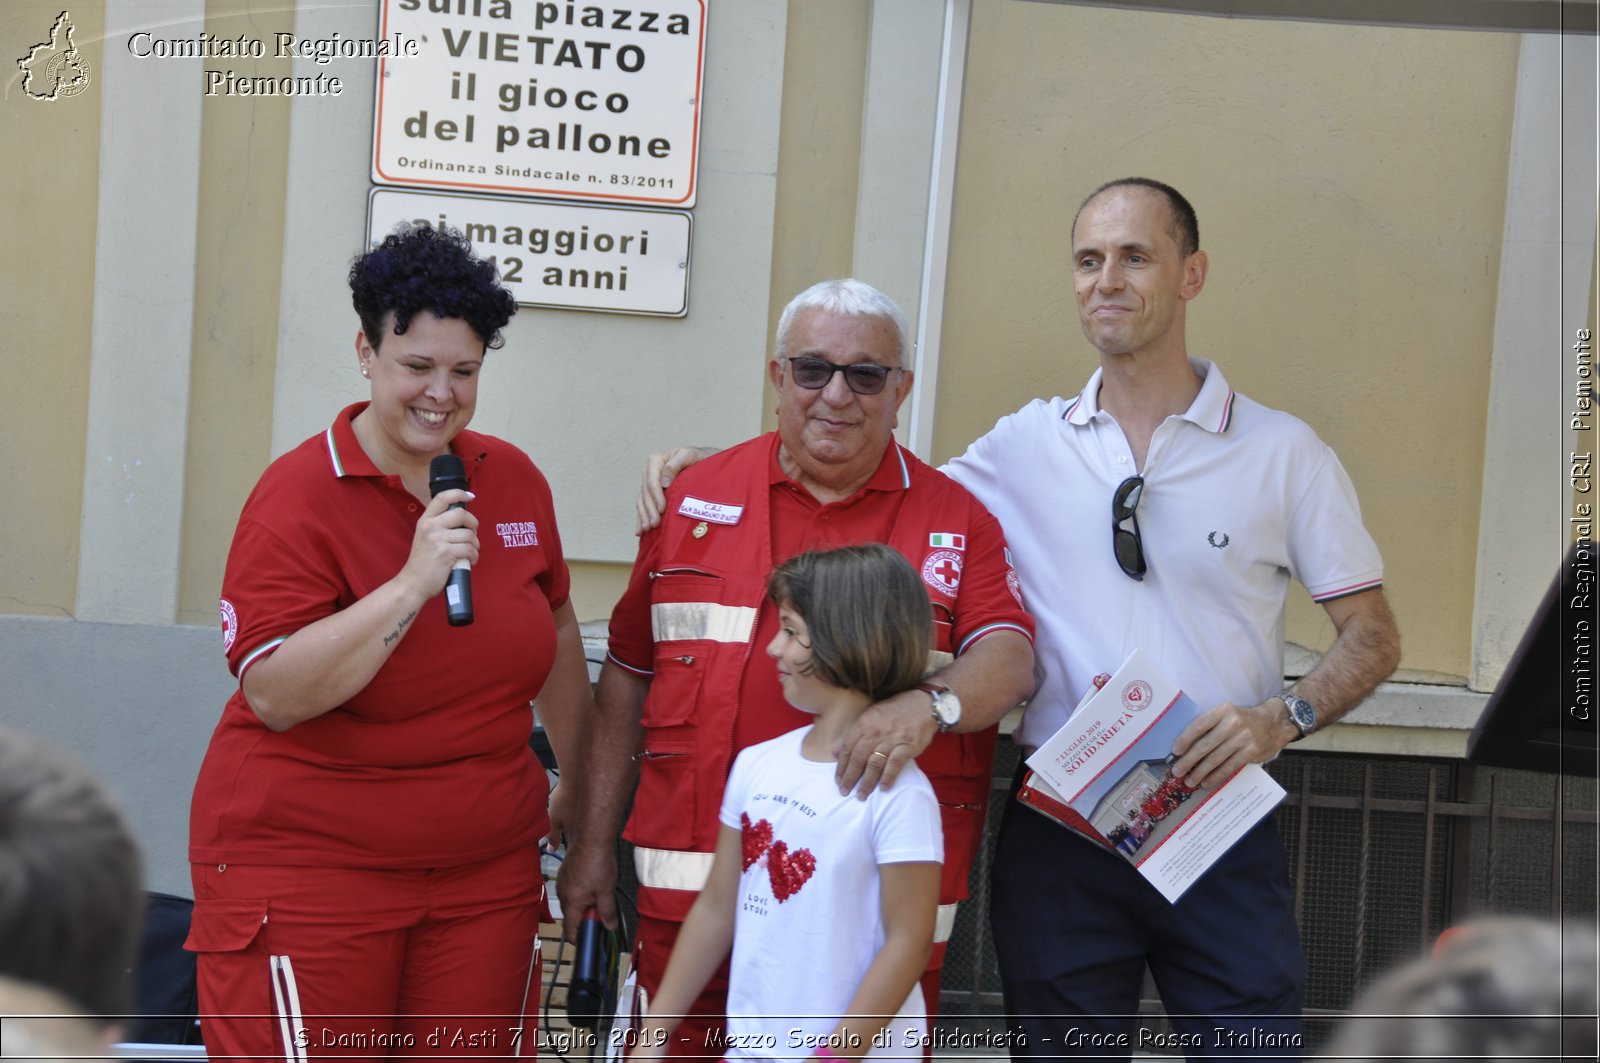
(941, 570)
(230, 624)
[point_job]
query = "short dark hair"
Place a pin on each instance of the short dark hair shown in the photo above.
(418, 267)
(1185, 227)
(71, 893)
(870, 622)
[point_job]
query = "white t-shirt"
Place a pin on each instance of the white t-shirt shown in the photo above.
(1238, 499)
(808, 922)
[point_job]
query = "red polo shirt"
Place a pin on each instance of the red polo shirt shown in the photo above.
(429, 764)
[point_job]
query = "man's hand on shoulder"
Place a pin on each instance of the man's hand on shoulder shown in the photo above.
(1220, 742)
(882, 741)
(659, 472)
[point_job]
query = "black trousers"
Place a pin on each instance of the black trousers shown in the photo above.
(1075, 926)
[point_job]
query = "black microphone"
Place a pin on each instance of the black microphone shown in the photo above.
(448, 474)
(589, 994)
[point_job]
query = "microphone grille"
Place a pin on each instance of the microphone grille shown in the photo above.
(446, 473)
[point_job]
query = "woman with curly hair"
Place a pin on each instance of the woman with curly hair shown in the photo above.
(365, 829)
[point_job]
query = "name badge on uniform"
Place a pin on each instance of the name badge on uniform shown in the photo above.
(715, 512)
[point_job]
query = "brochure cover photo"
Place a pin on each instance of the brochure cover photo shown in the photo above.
(1107, 775)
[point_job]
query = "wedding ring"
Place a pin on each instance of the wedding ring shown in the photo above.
(876, 753)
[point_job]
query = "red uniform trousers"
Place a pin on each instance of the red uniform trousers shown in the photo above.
(299, 963)
(702, 1032)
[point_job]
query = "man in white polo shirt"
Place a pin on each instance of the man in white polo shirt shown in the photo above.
(1158, 509)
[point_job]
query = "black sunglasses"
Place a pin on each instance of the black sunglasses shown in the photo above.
(863, 378)
(1126, 544)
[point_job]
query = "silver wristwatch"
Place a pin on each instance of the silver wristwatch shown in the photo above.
(946, 706)
(1301, 714)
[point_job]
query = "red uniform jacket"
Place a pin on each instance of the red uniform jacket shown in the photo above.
(706, 585)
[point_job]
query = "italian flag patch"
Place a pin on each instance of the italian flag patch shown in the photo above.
(948, 540)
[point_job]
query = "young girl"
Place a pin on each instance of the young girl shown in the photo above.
(827, 901)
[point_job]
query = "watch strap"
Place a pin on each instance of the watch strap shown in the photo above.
(1301, 713)
(939, 693)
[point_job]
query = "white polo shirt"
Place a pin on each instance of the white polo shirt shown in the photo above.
(1238, 498)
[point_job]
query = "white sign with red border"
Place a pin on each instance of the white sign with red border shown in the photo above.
(552, 98)
(568, 256)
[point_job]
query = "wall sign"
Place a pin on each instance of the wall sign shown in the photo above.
(554, 98)
(570, 256)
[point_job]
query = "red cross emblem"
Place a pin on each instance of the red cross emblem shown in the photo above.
(941, 570)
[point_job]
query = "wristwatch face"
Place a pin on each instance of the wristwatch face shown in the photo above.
(946, 708)
(1301, 712)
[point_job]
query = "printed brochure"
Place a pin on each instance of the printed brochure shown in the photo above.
(1106, 774)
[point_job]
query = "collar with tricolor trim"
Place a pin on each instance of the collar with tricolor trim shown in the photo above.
(348, 459)
(892, 473)
(1212, 408)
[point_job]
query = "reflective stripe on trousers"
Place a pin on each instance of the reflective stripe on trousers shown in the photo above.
(286, 998)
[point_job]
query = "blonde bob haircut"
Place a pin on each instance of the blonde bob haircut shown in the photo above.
(868, 614)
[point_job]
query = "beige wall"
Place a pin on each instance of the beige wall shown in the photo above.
(813, 225)
(247, 297)
(1350, 183)
(596, 586)
(47, 316)
(238, 262)
(49, 172)
(819, 156)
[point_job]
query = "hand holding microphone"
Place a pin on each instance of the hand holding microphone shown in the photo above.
(446, 473)
(594, 970)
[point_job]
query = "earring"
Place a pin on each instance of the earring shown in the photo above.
(366, 372)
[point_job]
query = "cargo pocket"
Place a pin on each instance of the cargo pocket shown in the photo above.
(690, 623)
(225, 925)
(686, 605)
(963, 831)
(667, 804)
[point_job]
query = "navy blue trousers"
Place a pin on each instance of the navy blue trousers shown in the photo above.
(1075, 926)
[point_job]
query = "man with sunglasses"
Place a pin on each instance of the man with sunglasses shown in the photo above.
(1158, 509)
(685, 686)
